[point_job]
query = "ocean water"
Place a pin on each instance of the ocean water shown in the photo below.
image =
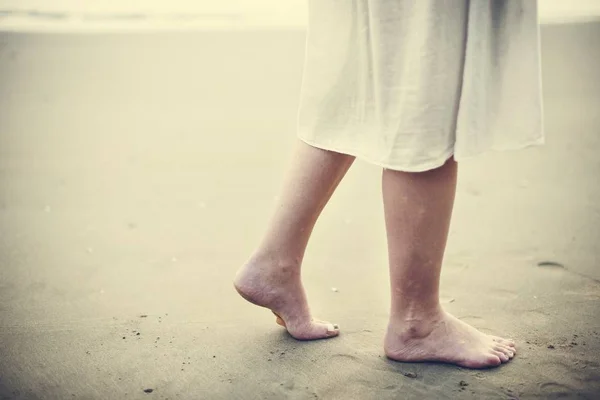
(124, 15)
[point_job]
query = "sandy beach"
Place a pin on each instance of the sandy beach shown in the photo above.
(138, 172)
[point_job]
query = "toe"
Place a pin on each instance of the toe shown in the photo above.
(483, 361)
(315, 330)
(505, 350)
(507, 342)
(492, 360)
(509, 351)
(325, 330)
(333, 329)
(500, 355)
(279, 320)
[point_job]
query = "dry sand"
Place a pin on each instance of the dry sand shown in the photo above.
(137, 173)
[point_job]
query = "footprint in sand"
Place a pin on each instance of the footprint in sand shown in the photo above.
(290, 390)
(555, 390)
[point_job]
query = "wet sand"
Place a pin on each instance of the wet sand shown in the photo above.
(137, 173)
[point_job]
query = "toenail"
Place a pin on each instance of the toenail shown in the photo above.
(331, 327)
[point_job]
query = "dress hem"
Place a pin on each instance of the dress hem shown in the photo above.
(438, 162)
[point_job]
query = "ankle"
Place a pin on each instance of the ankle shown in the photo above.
(273, 262)
(415, 321)
(417, 309)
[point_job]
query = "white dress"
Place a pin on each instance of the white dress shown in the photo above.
(407, 84)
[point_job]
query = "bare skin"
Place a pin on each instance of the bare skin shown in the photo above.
(271, 278)
(418, 209)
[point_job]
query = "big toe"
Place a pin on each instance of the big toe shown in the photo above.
(490, 360)
(483, 359)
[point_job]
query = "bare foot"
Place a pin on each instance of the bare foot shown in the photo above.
(280, 289)
(445, 338)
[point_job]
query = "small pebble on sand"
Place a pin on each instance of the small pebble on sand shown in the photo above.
(148, 390)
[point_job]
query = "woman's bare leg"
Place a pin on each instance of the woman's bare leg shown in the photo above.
(418, 208)
(271, 278)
